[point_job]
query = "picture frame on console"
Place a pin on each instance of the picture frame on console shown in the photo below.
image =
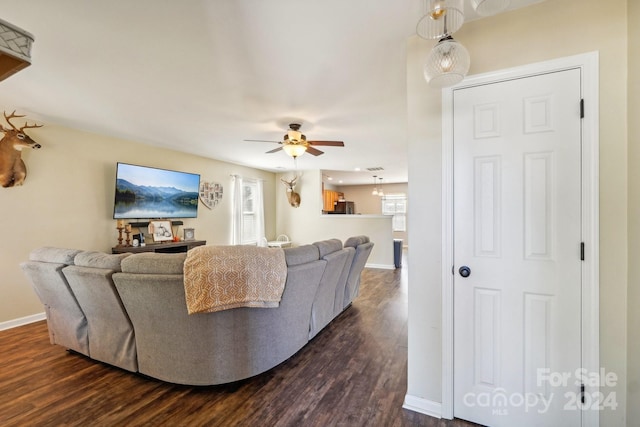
(189, 234)
(161, 231)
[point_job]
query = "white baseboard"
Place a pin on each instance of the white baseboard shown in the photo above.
(423, 406)
(381, 266)
(22, 321)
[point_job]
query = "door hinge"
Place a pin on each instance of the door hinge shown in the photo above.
(581, 251)
(582, 393)
(582, 108)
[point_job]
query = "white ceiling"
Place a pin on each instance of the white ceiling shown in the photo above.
(201, 76)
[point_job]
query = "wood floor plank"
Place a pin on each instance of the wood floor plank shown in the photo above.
(353, 373)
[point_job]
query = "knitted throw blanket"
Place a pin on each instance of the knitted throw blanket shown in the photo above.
(222, 277)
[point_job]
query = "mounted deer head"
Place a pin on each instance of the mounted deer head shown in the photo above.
(12, 169)
(292, 196)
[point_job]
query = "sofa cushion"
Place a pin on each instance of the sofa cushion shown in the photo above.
(154, 263)
(301, 254)
(353, 242)
(100, 260)
(55, 255)
(326, 247)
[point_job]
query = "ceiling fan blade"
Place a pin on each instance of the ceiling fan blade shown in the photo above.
(327, 143)
(274, 150)
(262, 140)
(314, 151)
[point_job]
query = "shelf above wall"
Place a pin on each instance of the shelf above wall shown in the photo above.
(15, 49)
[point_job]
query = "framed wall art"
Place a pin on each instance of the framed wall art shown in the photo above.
(210, 194)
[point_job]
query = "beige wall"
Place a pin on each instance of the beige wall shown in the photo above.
(633, 354)
(544, 31)
(67, 201)
(365, 203)
(306, 224)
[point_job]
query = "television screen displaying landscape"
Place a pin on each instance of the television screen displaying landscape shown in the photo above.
(145, 192)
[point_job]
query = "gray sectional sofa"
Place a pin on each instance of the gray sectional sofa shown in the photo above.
(129, 310)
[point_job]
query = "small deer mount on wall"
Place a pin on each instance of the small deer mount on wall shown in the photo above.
(292, 196)
(13, 171)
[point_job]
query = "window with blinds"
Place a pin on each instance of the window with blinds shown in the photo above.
(396, 205)
(249, 214)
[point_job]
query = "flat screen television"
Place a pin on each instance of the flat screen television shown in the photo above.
(144, 192)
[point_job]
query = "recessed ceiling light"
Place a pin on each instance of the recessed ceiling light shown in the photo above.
(357, 169)
(329, 178)
(340, 182)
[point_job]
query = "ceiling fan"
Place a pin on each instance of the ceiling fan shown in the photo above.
(295, 143)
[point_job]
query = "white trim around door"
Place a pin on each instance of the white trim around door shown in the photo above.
(588, 64)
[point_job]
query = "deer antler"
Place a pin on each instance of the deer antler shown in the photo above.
(290, 183)
(13, 116)
(28, 126)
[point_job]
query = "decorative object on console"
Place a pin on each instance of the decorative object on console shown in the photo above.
(189, 234)
(120, 227)
(292, 196)
(15, 49)
(138, 239)
(161, 231)
(210, 194)
(13, 171)
(127, 230)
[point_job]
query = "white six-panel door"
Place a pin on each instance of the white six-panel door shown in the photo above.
(517, 213)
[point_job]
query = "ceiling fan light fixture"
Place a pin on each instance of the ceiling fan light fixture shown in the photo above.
(441, 18)
(294, 150)
(294, 143)
(447, 64)
(295, 136)
(489, 7)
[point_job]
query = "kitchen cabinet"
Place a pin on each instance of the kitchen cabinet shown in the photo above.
(329, 199)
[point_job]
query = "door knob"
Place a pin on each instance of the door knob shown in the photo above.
(464, 271)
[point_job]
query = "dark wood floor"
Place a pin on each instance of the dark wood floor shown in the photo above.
(352, 374)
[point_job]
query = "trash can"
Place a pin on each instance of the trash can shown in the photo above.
(397, 252)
